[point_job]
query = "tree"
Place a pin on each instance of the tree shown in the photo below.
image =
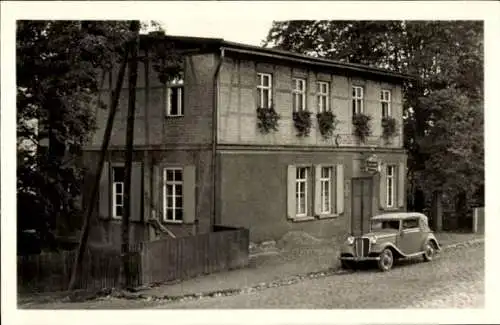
(446, 56)
(57, 69)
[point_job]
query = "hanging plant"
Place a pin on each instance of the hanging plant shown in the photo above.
(362, 127)
(302, 121)
(327, 122)
(267, 119)
(388, 127)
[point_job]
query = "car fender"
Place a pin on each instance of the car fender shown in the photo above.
(432, 238)
(380, 248)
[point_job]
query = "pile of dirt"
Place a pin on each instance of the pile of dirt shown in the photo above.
(295, 239)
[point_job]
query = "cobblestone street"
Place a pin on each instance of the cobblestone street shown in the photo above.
(455, 279)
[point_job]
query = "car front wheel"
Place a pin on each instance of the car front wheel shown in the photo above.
(386, 260)
(429, 252)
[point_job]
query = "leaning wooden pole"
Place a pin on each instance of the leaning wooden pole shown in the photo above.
(132, 84)
(95, 185)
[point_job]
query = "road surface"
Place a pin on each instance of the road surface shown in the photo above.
(454, 280)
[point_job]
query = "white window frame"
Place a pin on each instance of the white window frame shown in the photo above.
(357, 98)
(174, 184)
(299, 94)
(115, 193)
(390, 183)
(326, 184)
(175, 85)
(385, 98)
(323, 97)
(301, 186)
(261, 88)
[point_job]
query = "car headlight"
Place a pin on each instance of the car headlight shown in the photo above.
(350, 240)
(373, 240)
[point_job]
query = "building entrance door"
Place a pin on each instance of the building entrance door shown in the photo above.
(362, 193)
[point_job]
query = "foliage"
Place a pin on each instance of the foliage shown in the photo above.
(167, 61)
(443, 55)
(388, 127)
(453, 145)
(302, 122)
(57, 70)
(327, 121)
(362, 128)
(267, 119)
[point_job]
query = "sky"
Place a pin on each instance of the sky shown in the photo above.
(242, 31)
(250, 31)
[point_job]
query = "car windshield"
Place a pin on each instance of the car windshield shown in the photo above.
(385, 225)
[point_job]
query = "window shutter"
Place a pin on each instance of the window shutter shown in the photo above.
(136, 192)
(317, 190)
(401, 184)
(340, 189)
(168, 104)
(189, 194)
(292, 170)
(156, 195)
(383, 187)
(105, 193)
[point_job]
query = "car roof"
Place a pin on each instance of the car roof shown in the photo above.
(399, 216)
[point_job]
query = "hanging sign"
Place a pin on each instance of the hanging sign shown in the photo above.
(372, 164)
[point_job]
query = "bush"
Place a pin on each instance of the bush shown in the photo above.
(388, 127)
(362, 127)
(267, 119)
(327, 121)
(302, 121)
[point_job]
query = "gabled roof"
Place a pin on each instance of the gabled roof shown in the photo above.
(215, 44)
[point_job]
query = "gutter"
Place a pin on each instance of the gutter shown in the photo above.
(321, 62)
(214, 137)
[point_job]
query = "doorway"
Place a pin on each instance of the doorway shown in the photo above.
(361, 212)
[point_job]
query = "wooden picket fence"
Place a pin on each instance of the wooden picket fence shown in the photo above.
(52, 271)
(151, 262)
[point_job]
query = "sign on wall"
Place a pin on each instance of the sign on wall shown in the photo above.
(372, 164)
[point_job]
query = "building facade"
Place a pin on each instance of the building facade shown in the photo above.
(200, 158)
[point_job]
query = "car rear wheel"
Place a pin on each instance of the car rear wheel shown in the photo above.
(429, 252)
(386, 260)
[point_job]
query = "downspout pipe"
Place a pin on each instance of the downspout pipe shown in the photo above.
(214, 138)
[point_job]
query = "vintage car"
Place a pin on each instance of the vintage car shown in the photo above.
(391, 236)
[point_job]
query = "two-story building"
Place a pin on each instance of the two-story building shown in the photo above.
(200, 158)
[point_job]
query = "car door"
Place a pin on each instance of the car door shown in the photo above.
(410, 236)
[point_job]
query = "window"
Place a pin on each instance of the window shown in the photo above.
(385, 102)
(172, 199)
(301, 181)
(357, 100)
(175, 100)
(391, 171)
(326, 189)
(299, 94)
(323, 96)
(315, 191)
(410, 224)
(264, 90)
(385, 225)
(118, 174)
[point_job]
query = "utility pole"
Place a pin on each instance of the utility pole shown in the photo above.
(95, 186)
(134, 28)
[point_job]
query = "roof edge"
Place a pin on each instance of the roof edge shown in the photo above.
(216, 43)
